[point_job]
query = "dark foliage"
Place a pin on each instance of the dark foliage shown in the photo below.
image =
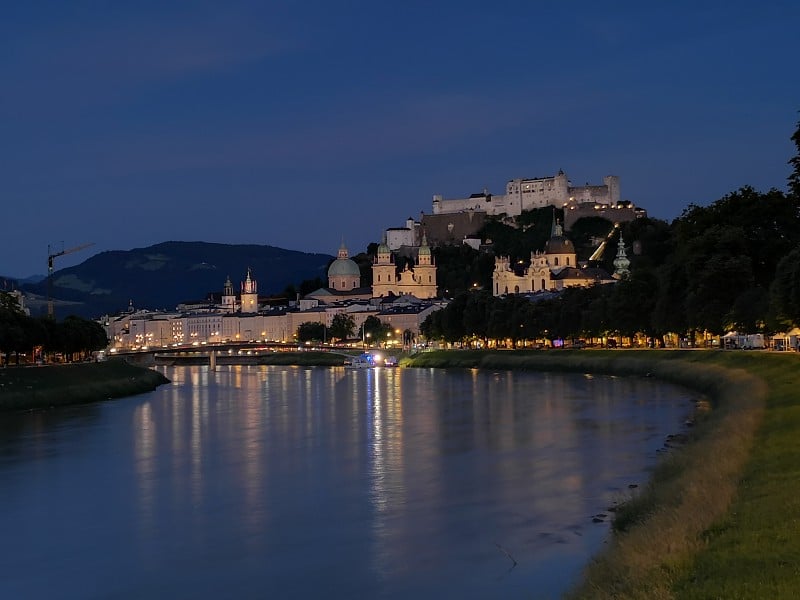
(74, 338)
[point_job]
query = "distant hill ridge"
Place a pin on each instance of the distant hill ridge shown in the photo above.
(163, 275)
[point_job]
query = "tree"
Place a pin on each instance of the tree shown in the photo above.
(364, 262)
(342, 326)
(784, 296)
(431, 327)
(632, 303)
(530, 232)
(499, 325)
(75, 337)
(476, 313)
(461, 268)
(768, 226)
(718, 270)
(375, 329)
(9, 302)
(311, 331)
(12, 333)
(794, 177)
(670, 309)
(749, 310)
(654, 238)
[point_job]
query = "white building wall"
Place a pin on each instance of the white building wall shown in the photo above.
(397, 237)
(276, 328)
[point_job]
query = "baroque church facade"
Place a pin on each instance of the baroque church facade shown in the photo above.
(418, 280)
(553, 269)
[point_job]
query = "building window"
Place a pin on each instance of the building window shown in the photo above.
(556, 261)
(543, 284)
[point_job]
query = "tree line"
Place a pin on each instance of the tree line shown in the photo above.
(343, 327)
(28, 338)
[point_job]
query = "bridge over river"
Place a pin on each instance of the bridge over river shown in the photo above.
(226, 353)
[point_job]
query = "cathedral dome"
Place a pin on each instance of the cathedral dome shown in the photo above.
(344, 267)
(559, 245)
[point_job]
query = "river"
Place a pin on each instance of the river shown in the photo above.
(289, 482)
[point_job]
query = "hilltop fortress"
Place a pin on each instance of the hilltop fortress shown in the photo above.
(458, 220)
(527, 194)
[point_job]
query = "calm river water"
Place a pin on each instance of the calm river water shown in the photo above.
(287, 482)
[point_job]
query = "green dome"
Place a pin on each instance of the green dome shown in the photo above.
(343, 267)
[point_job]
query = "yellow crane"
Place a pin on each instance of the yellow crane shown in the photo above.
(51, 256)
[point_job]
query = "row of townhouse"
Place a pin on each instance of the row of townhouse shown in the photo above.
(147, 329)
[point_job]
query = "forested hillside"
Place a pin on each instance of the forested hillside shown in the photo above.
(731, 265)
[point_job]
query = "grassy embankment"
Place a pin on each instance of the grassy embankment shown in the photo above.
(719, 519)
(23, 388)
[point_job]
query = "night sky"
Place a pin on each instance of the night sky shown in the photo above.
(297, 124)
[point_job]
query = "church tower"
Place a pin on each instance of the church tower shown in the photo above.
(425, 271)
(228, 297)
(621, 262)
(249, 295)
(383, 271)
(560, 250)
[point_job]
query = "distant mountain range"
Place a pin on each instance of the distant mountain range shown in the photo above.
(21, 280)
(164, 275)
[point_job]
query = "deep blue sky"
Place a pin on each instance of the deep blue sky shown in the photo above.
(296, 124)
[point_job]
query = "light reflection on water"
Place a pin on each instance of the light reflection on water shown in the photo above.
(303, 482)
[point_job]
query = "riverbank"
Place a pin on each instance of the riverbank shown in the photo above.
(26, 388)
(718, 518)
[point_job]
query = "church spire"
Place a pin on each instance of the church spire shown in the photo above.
(343, 253)
(424, 254)
(621, 262)
(556, 230)
(249, 286)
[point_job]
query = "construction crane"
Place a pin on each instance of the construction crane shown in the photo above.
(51, 256)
